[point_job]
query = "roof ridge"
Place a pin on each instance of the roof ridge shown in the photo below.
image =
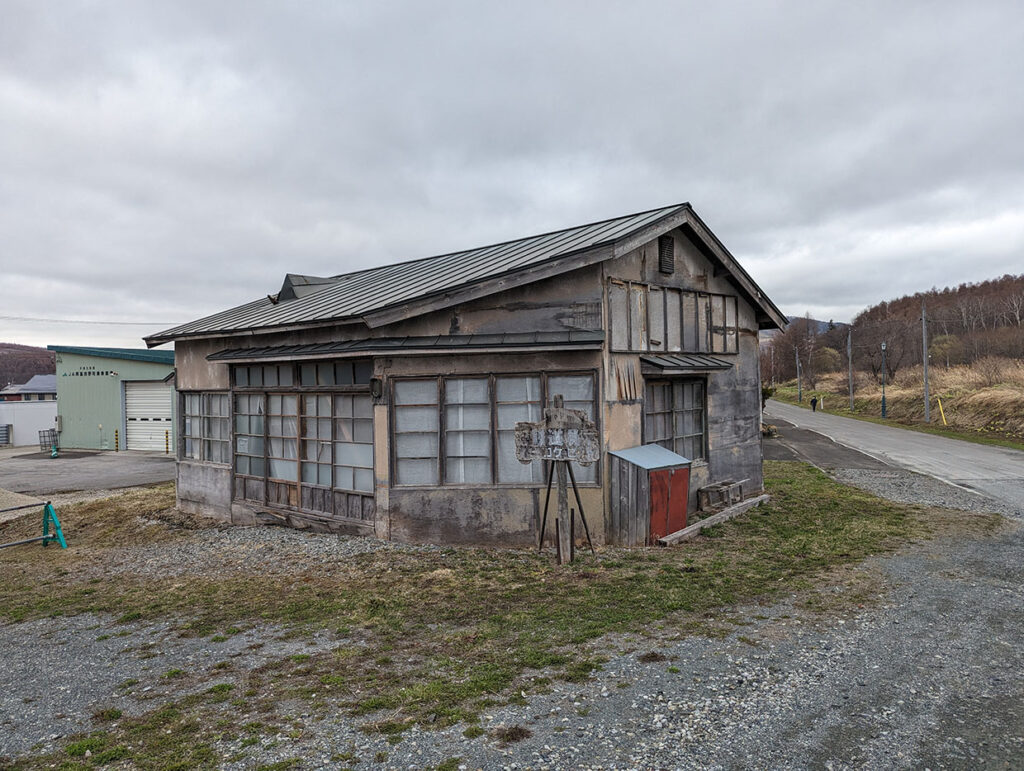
(666, 209)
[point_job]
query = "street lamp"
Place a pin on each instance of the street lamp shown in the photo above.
(883, 379)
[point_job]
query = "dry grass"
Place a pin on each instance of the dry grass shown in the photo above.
(434, 638)
(983, 401)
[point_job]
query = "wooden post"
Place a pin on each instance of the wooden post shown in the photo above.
(564, 538)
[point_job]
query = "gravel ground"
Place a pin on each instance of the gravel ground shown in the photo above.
(927, 676)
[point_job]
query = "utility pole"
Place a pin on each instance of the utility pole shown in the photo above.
(883, 378)
(772, 349)
(799, 381)
(924, 359)
(849, 358)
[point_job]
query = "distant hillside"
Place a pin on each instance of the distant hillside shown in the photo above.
(966, 323)
(18, 363)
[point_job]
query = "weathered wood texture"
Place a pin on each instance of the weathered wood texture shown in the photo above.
(726, 514)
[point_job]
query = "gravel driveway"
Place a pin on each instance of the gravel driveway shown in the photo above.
(926, 676)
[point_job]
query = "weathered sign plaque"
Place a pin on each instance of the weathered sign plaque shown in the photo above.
(562, 434)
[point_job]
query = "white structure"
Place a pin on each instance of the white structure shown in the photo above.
(26, 420)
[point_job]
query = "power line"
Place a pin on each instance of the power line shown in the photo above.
(91, 321)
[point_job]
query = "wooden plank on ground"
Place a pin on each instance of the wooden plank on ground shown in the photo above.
(693, 530)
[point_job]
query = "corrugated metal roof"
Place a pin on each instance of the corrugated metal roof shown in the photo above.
(651, 457)
(685, 362)
(434, 344)
(132, 354)
(354, 294)
(38, 384)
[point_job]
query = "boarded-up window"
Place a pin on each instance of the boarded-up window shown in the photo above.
(416, 432)
(637, 317)
(690, 323)
(645, 317)
(673, 320)
(656, 318)
(618, 315)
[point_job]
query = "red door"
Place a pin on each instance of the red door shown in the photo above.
(679, 493)
(660, 481)
(669, 492)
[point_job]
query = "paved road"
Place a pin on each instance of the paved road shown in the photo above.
(26, 470)
(994, 471)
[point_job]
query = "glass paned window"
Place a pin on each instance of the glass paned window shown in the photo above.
(353, 442)
(191, 423)
(417, 431)
(517, 400)
(474, 427)
(316, 439)
(282, 437)
(215, 430)
(578, 393)
(249, 431)
(467, 413)
(674, 417)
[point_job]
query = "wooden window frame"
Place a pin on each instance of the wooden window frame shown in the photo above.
(492, 400)
(299, 391)
(672, 410)
(202, 437)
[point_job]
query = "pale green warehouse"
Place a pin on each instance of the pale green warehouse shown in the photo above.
(115, 398)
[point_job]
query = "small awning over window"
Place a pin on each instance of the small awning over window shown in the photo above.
(681, 364)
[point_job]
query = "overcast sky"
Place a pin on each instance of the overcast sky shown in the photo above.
(163, 161)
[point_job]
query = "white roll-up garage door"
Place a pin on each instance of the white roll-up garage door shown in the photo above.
(147, 408)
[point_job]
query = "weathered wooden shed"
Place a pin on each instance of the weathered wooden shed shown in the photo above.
(649, 495)
(383, 401)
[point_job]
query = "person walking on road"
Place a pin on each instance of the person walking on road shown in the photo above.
(814, 404)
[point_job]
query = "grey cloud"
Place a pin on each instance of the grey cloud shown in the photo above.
(164, 161)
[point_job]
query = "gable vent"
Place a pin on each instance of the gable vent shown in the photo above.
(666, 254)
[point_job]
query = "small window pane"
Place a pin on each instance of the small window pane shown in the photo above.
(343, 373)
(307, 375)
(416, 445)
(241, 376)
(465, 391)
(363, 371)
(571, 387)
(417, 472)
(415, 419)
(468, 471)
(284, 469)
(348, 454)
(343, 478)
(416, 392)
(364, 480)
(285, 375)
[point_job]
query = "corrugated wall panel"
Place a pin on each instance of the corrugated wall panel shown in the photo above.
(148, 416)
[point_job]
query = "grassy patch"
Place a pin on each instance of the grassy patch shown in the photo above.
(432, 638)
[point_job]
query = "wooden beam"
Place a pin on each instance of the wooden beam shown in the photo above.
(457, 295)
(694, 530)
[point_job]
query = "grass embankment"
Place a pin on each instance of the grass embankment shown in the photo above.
(983, 403)
(435, 637)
